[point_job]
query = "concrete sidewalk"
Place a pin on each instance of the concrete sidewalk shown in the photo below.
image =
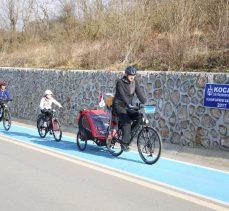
(217, 159)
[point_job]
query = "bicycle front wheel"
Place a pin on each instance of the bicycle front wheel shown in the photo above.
(149, 145)
(6, 119)
(56, 129)
(41, 129)
(113, 139)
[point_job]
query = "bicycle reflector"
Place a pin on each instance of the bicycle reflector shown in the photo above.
(149, 109)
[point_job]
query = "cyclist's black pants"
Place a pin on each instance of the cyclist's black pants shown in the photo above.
(47, 115)
(1, 112)
(125, 120)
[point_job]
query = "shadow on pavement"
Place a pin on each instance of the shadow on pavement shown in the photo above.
(20, 134)
(91, 149)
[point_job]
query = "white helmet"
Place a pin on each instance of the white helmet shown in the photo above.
(48, 92)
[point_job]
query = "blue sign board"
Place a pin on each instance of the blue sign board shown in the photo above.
(216, 96)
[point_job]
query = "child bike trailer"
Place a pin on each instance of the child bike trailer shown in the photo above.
(92, 126)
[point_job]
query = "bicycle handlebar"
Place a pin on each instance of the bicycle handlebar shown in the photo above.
(5, 101)
(137, 107)
(51, 110)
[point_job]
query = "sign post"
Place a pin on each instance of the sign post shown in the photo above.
(216, 96)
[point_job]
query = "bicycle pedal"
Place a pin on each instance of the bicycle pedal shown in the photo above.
(125, 148)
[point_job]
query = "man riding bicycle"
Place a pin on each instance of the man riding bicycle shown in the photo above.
(4, 95)
(126, 87)
(46, 106)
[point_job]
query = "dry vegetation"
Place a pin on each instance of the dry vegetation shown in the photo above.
(110, 34)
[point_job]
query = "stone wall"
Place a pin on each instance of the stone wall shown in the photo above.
(180, 118)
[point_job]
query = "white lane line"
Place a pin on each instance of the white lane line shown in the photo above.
(203, 202)
(177, 161)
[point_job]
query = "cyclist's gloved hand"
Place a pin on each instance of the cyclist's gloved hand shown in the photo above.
(130, 106)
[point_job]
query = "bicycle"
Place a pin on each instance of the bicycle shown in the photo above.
(53, 126)
(5, 114)
(148, 140)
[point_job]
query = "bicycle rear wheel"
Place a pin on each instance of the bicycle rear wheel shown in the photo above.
(149, 145)
(81, 143)
(56, 129)
(42, 130)
(6, 119)
(113, 141)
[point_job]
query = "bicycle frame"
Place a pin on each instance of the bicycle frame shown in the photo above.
(3, 107)
(148, 140)
(3, 104)
(5, 114)
(51, 120)
(51, 127)
(143, 122)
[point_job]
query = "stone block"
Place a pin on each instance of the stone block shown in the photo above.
(175, 97)
(207, 121)
(222, 130)
(185, 86)
(182, 112)
(191, 110)
(170, 83)
(175, 138)
(185, 99)
(202, 132)
(157, 84)
(158, 93)
(191, 91)
(195, 100)
(225, 142)
(168, 109)
(149, 87)
(184, 124)
(165, 133)
(216, 113)
(220, 79)
(213, 133)
(189, 135)
(166, 94)
(201, 81)
(226, 116)
(172, 119)
(162, 122)
(200, 110)
(178, 83)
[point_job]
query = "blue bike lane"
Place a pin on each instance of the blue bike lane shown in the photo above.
(207, 182)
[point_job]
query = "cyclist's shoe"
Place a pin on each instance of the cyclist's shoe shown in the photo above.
(126, 147)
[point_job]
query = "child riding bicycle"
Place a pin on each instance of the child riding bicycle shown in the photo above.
(46, 106)
(4, 96)
(126, 88)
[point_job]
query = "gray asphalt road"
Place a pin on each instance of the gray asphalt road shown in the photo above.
(31, 180)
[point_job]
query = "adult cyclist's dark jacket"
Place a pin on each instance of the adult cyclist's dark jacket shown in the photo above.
(124, 95)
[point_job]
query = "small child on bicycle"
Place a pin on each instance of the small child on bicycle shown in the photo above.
(4, 95)
(46, 106)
